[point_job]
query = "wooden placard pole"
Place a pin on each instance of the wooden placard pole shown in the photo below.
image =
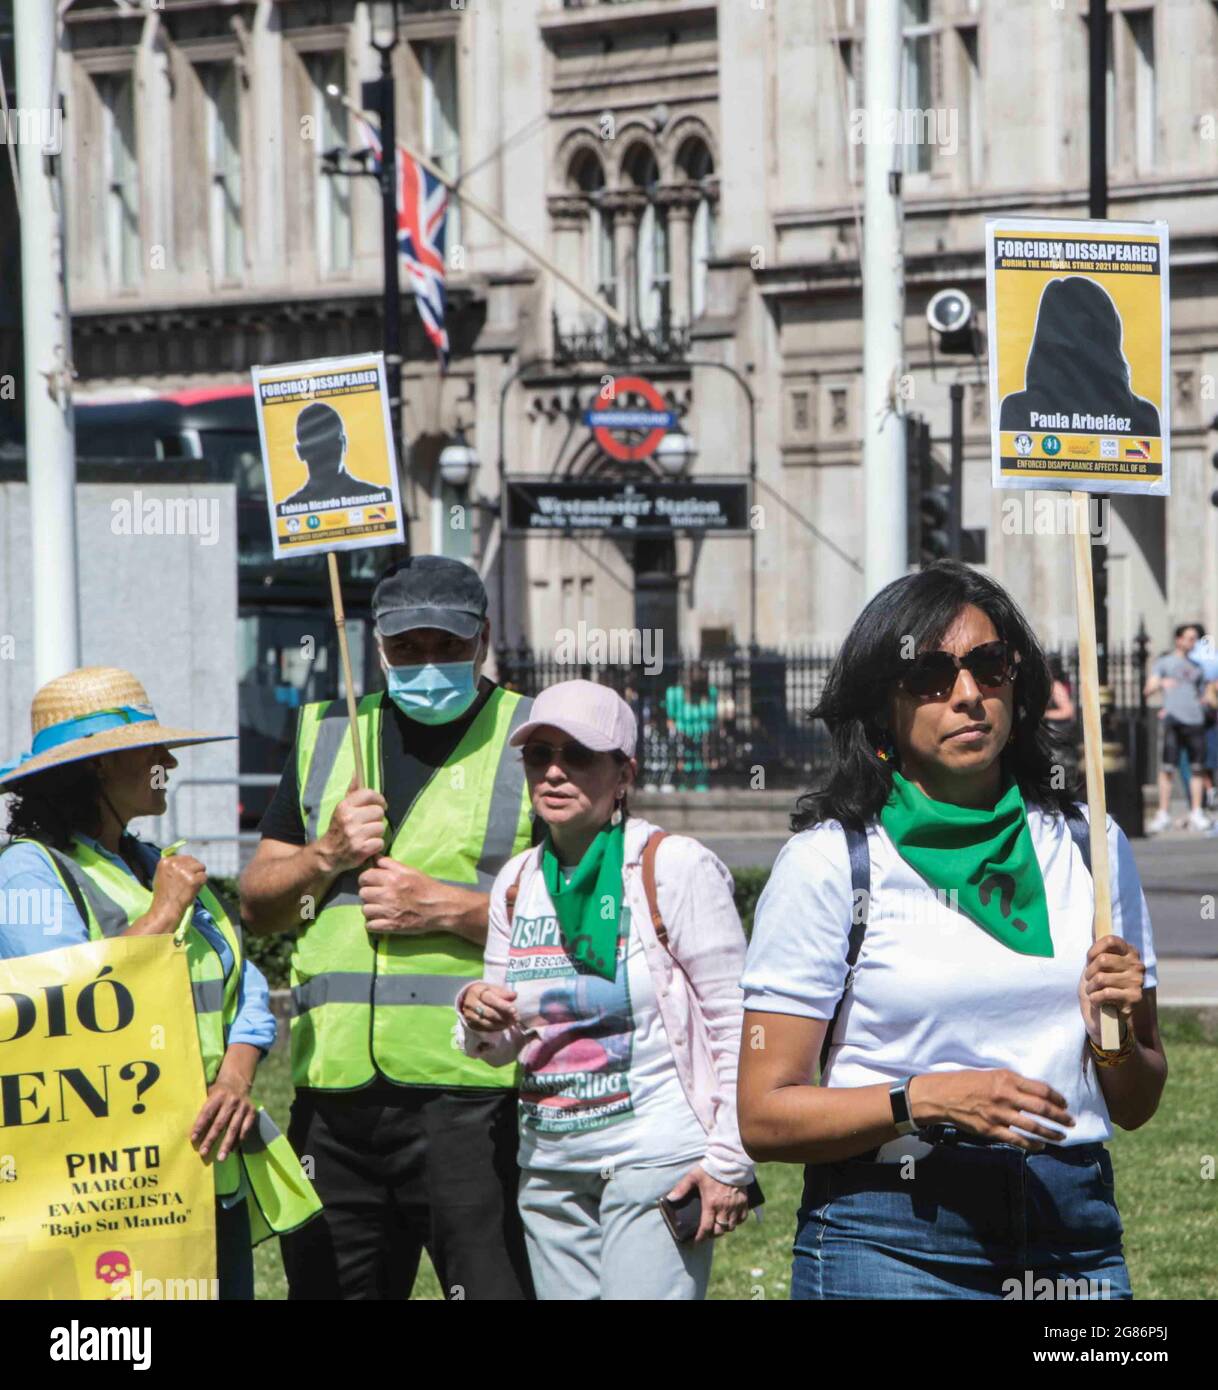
(1093, 742)
(340, 622)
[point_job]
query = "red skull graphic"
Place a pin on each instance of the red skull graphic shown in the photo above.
(113, 1265)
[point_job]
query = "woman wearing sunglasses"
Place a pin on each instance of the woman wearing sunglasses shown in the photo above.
(955, 1146)
(626, 1022)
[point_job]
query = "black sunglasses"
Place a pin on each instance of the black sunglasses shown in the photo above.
(932, 675)
(539, 756)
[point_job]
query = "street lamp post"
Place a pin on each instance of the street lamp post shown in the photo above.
(384, 15)
(459, 464)
(675, 453)
(459, 461)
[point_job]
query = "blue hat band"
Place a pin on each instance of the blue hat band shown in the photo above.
(85, 725)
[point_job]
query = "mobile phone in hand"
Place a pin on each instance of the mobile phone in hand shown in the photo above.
(684, 1216)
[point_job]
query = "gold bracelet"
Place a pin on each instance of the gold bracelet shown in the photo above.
(1113, 1059)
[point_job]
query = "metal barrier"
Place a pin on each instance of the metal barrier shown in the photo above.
(741, 717)
(249, 779)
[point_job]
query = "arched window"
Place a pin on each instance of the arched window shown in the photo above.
(588, 177)
(698, 167)
(650, 281)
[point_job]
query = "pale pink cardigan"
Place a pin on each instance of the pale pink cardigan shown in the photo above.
(700, 999)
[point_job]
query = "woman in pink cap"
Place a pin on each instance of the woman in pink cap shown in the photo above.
(612, 974)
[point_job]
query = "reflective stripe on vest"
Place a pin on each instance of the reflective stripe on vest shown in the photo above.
(279, 1197)
(361, 1002)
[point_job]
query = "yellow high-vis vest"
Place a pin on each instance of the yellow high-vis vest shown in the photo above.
(375, 1002)
(279, 1197)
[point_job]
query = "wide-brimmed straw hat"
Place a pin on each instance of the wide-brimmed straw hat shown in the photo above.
(96, 710)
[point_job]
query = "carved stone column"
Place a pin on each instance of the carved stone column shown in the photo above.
(679, 203)
(569, 225)
(627, 208)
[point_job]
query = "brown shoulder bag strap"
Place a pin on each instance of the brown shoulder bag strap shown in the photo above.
(649, 884)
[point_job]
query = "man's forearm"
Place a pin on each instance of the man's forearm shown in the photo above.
(283, 894)
(471, 920)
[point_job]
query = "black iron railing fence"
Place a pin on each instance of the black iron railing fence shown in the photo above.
(741, 718)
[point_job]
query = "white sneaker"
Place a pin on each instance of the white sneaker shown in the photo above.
(1199, 821)
(1161, 821)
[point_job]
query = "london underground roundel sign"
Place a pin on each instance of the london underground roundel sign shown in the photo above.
(617, 427)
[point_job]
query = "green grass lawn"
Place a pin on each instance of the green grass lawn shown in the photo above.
(1168, 1206)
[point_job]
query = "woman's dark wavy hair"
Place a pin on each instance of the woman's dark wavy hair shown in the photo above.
(52, 806)
(923, 607)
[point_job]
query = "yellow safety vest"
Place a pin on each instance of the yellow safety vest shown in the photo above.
(367, 1003)
(279, 1196)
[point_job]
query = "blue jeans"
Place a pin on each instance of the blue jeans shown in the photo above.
(969, 1221)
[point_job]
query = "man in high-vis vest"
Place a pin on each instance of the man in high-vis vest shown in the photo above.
(413, 1144)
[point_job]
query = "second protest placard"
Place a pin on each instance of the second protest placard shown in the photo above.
(1079, 334)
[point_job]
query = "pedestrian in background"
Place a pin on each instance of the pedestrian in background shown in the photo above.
(693, 714)
(612, 973)
(928, 934)
(1205, 655)
(1183, 686)
(1060, 717)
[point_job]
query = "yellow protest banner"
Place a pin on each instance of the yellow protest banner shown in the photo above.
(101, 1194)
(1079, 340)
(328, 455)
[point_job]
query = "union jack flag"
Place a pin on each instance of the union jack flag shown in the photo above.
(422, 202)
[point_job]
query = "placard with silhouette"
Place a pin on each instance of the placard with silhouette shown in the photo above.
(328, 455)
(1078, 329)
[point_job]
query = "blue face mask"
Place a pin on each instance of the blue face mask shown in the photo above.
(433, 694)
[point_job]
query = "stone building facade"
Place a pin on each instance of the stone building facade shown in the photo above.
(691, 161)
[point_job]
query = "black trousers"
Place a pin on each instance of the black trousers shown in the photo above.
(400, 1169)
(234, 1255)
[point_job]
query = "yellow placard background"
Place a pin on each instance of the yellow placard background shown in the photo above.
(1137, 298)
(114, 1204)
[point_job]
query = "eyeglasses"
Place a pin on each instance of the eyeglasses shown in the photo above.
(539, 756)
(932, 675)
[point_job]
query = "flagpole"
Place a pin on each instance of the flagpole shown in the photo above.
(602, 306)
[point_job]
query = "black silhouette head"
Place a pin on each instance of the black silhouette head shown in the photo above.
(1078, 327)
(320, 439)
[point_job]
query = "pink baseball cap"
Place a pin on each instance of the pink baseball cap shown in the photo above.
(592, 714)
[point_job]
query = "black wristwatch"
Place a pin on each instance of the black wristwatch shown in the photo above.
(902, 1111)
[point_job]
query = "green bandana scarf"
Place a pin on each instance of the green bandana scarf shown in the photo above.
(986, 856)
(589, 904)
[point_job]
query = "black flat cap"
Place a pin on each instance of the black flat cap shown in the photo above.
(430, 591)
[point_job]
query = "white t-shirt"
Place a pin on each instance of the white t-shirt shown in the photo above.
(933, 991)
(598, 1082)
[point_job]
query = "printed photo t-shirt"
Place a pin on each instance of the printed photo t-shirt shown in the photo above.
(599, 1086)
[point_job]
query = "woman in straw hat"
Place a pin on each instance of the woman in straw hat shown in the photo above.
(98, 761)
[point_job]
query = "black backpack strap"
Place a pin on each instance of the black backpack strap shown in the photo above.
(1080, 833)
(860, 905)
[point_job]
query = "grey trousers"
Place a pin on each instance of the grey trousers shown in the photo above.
(591, 1237)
